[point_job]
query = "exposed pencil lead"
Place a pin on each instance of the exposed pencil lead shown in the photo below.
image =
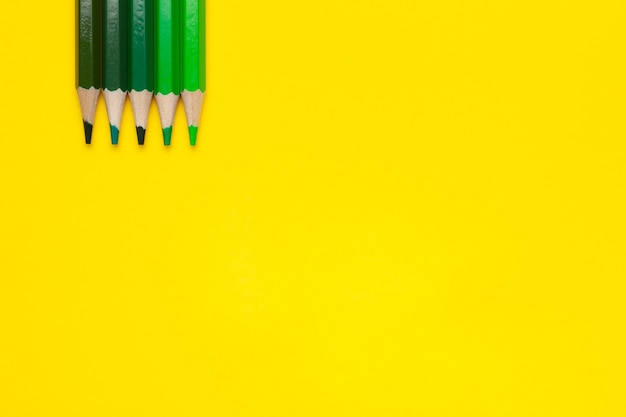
(115, 134)
(167, 136)
(88, 132)
(141, 135)
(193, 134)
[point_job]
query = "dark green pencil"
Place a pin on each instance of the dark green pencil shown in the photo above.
(88, 60)
(115, 61)
(141, 62)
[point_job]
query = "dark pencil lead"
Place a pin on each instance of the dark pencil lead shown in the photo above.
(88, 132)
(141, 135)
(115, 134)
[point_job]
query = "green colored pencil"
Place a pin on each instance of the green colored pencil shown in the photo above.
(115, 61)
(141, 62)
(167, 62)
(194, 62)
(88, 60)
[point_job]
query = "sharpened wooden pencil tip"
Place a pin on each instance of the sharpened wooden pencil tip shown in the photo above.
(88, 132)
(141, 135)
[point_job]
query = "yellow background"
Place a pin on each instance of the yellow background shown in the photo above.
(396, 208)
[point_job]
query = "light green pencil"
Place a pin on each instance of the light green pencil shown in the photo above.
(193, 62)
(167, 62)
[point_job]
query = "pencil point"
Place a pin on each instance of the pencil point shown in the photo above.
(193, 134)
(88, 132)
(141, 135)
(115, 134)
(167, 136)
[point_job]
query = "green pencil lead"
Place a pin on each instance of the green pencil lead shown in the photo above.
(115, 134)
(193, 133)
(167, 136)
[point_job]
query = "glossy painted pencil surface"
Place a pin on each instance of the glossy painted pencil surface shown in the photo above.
(167, 62)
(115, 61)
(88, 60)
(141, 62)
(193, 62)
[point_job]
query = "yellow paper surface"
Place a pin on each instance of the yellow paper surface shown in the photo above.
(396, 208)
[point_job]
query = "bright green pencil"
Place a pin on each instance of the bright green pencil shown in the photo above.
(88, 60)
(115, 61)
(141, 62)
(167, 62)
(193, 62)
